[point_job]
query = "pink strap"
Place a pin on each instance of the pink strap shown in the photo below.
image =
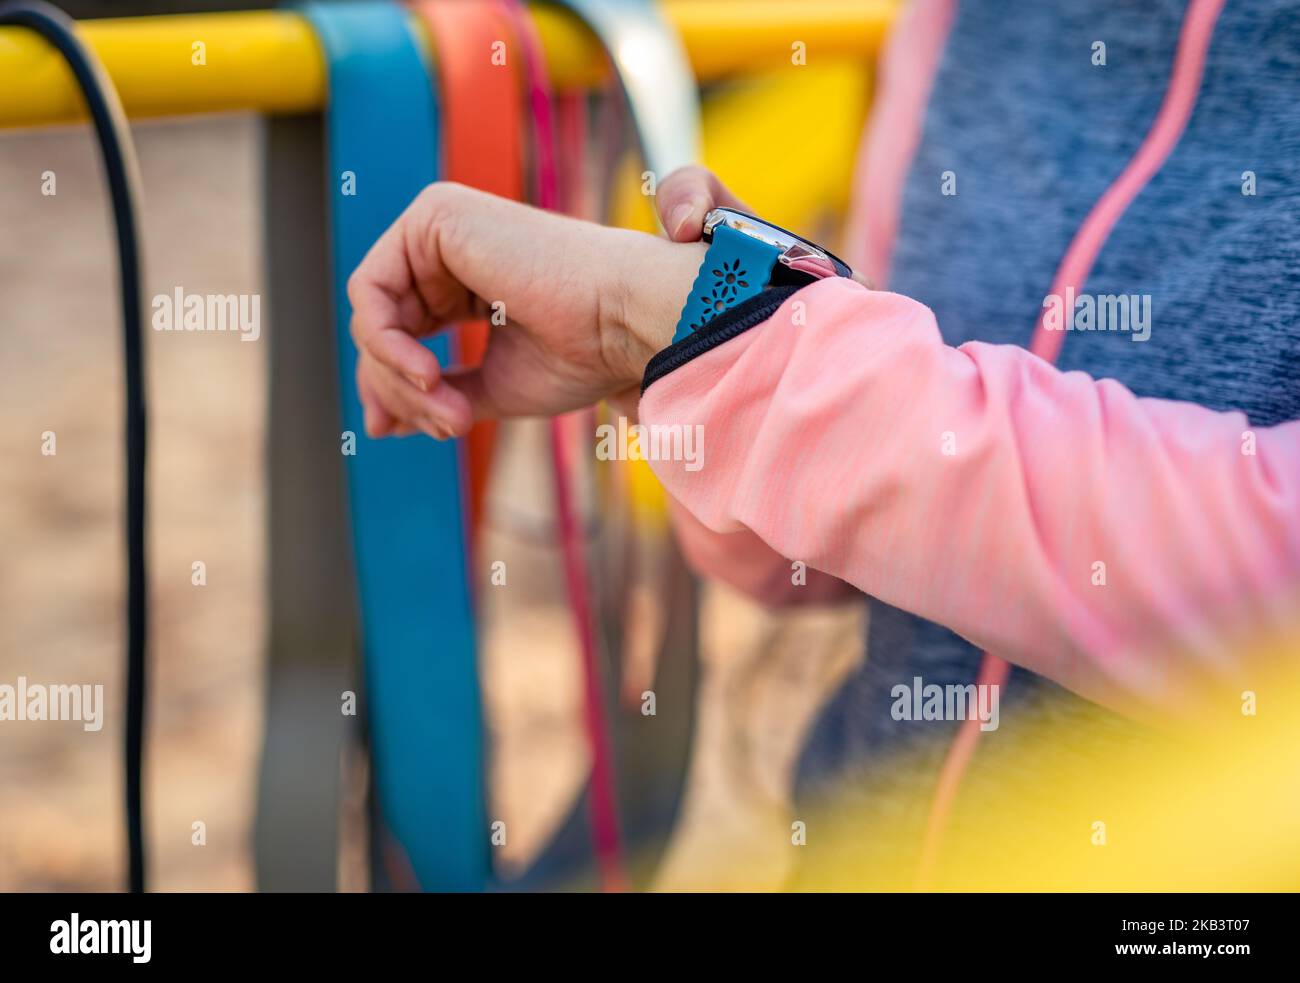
(603, 803)
(906, 75)
(1171, 120)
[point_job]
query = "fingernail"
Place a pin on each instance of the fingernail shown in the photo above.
(678, 217)
(418, 383)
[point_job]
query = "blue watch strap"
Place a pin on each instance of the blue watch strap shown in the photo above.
(735, 268)
(405, 496)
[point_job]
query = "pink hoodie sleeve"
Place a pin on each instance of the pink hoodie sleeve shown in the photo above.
(1108, 542)
(742, 560)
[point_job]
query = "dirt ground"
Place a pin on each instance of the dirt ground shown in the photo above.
(61, 581)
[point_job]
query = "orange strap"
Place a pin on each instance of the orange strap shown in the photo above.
(483, 121)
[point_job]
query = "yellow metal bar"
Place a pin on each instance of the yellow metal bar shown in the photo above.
(269, 61)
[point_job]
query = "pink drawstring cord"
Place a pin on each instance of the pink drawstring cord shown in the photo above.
(1164, 134)
(604, 801)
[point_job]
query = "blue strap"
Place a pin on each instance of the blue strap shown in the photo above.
(406, 496)
(735, 268)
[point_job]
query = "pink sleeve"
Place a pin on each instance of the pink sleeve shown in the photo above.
(1108, 542)
(742, 560)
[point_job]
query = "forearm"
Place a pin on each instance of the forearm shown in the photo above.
(1058, 521)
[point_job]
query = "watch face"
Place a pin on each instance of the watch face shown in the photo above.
(797, 253)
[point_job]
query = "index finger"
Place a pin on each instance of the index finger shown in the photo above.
(389, 310)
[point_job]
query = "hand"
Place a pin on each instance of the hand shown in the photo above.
(586, 307)
(688, 194)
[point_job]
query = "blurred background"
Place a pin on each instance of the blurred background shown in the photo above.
(258, 775)
(237, 739)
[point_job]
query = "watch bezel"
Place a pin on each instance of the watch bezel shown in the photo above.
(796, 252)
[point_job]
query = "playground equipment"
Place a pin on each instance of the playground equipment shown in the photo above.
(367, 66)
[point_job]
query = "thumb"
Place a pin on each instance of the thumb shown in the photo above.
(685, 196)
(470, 395)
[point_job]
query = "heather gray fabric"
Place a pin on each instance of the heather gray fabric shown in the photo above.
(1034, 133)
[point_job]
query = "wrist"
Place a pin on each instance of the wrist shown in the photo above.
(649, 281)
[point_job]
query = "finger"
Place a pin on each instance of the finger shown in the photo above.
(378, 421)
(401, 430)
(382, 410)
(401, 402)
(401, 353)
(383, 290)
(441, 413)
(469, 382)
(685, 196)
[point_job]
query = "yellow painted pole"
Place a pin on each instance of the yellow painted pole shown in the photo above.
(269, 61)
(266, 60)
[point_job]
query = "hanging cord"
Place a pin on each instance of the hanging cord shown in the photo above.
(604, 799)
(124, 187)
(1180, 99)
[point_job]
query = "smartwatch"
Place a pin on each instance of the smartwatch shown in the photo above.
(746, 256)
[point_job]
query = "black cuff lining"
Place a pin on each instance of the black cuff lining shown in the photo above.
(724, 327)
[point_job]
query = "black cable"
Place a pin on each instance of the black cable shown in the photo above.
(123, 182)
